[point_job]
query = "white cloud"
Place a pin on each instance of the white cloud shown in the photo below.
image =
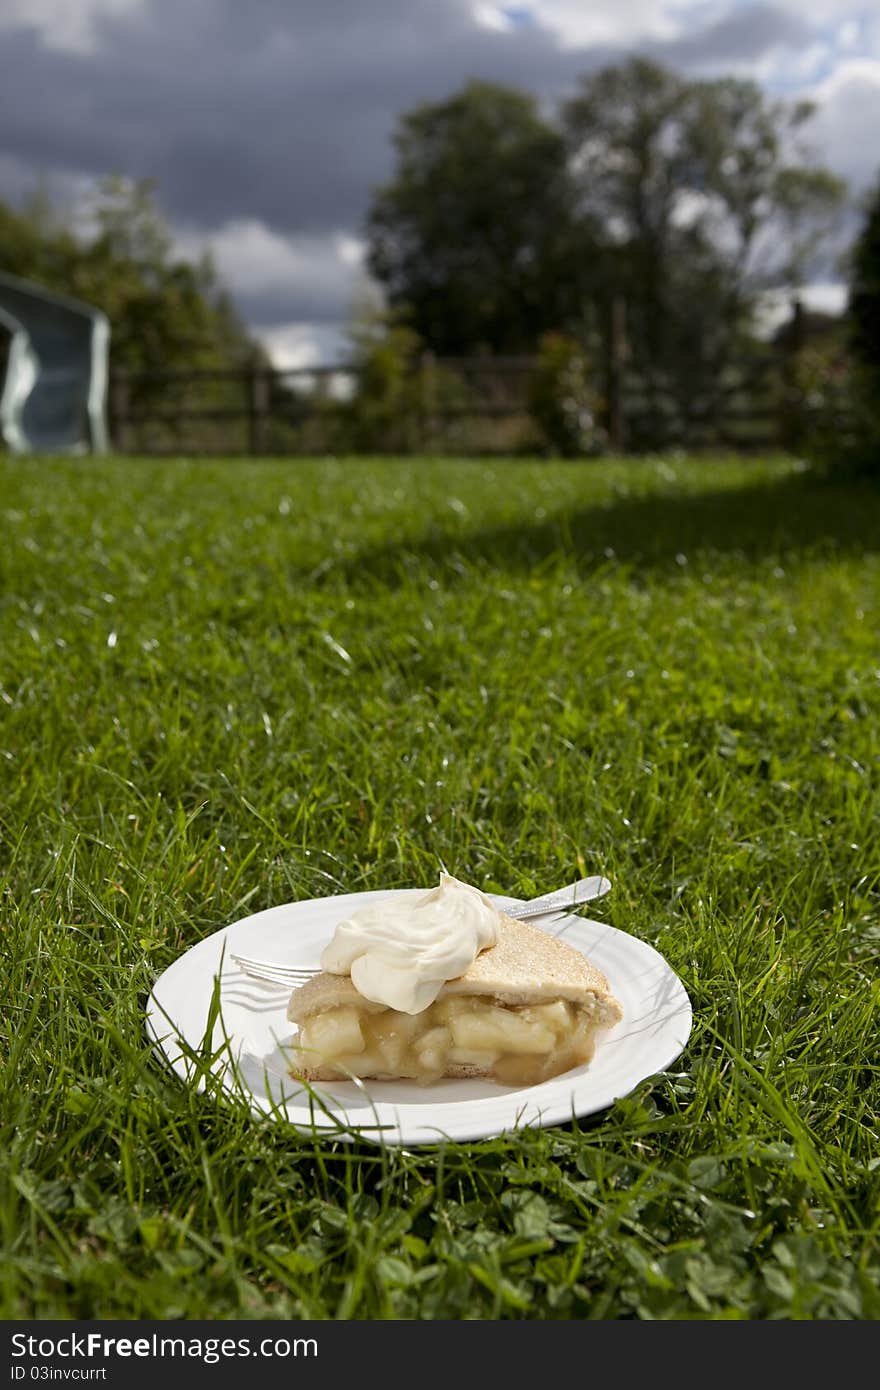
(774, 310)
(493, 17)
(827, 298)
(821, 33)
(810, 62)
(268, 272)
(846, 126)
(69, 25)
(297, 345)
(862, 69)
(249, 256)
(828, 11)
(578, 24)
(350, 250)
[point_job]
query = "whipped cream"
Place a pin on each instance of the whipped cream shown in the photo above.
(401, 951)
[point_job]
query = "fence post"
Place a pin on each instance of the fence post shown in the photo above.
(615, 359)
(427, 402)
(797, 330)
(120, 405)
(258, 409)
(793, 340)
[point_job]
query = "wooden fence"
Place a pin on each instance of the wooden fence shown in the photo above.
(473, 405)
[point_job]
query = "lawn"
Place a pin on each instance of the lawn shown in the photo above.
(227, 685)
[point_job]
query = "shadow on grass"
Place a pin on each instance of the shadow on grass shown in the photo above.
(782, 517)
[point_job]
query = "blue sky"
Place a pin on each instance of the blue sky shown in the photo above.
(266, 124)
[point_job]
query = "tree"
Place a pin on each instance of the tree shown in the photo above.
(383, 412)
(840, 375)
(684, 198)
(475, 239)
(864, 288)
(164, 312)
(704, 197)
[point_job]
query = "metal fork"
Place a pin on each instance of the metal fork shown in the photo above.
(561, 900)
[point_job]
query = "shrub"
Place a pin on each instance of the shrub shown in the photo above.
(844, 399)
(841, 414)
(385, 411)
(562, 397)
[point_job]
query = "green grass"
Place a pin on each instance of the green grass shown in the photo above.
(228, 685)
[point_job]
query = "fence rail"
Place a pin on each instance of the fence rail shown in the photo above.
(476, 404)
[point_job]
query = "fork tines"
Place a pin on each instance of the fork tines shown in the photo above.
(273, 972)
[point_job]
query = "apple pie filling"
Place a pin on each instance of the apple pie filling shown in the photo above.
(516, 1045)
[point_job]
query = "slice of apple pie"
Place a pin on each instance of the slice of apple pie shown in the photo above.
(527, 1009)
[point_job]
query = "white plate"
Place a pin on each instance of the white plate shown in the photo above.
(250, 1034)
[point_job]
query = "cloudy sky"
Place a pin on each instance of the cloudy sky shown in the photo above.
(266, 123)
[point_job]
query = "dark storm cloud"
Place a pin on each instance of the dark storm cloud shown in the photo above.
(267, 110)
(282, 111)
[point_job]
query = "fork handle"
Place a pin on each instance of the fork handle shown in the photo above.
(583, 891)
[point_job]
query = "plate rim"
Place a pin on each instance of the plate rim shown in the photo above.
(530, 1114)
